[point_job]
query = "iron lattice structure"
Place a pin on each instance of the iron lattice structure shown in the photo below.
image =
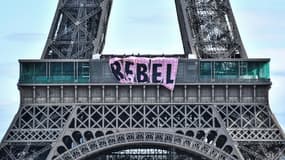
(208, 29)
(73, 108)
(78, 30)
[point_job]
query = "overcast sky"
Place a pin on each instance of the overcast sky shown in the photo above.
(136, 26)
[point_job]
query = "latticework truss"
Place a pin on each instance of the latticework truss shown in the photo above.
(227, 125)
(75, 109)
(208, 29)
(78, 30)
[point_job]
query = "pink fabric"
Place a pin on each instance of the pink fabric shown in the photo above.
(143, 60)
(156, 70)
(130, 77)
(160, 69)
(120, 60)
(174, 67)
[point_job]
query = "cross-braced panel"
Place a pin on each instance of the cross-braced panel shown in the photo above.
(38, 123)
(208, 29)
(250, 122)
(144, 116)
(78, 30)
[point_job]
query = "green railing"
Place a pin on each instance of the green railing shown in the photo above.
(41, 71)
(55, 72)
(230, 70)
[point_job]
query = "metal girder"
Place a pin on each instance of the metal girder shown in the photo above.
(24, 151)
(208, 29)
(262, 150)
(9, 153)
(39, 152)
(220, 120)
(119, 108)
(78, 30)
(140, 137)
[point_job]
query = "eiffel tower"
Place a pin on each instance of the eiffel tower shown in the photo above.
(72, 107)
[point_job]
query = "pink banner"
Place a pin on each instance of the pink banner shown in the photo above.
(135, 70)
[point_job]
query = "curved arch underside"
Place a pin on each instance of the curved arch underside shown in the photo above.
(144, 152)
(118, 142)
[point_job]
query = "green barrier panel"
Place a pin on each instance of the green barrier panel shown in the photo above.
(57, 72)
(205, 70)
(79, 72)
(228, 70)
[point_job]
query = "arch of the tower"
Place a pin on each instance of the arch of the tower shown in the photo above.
(145, 152)
(142, 144)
